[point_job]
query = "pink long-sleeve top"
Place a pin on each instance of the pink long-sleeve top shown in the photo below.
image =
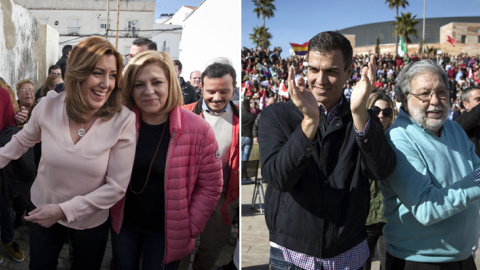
(85, 179)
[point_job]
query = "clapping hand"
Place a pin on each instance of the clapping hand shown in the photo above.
(306, 102)
(364, 87)
(361, 93)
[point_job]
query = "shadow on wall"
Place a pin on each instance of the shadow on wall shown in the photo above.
(19, 52)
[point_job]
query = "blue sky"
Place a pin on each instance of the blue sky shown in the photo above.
(298, 21)
(171, 6)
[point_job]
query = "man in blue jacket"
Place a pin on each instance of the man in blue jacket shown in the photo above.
(318, 152)
(431, 198)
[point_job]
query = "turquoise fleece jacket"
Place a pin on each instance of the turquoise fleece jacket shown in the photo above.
(430, 199)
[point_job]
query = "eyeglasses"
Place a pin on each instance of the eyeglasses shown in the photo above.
(128, 56)
(427, 96)
(23, 91)
(387, 112)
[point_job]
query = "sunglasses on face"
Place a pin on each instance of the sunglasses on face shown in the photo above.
(387, 112)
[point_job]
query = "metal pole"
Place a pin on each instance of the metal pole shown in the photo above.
(107, 24)
(423, 33)
(118, 16)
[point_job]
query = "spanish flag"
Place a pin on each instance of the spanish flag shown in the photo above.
(300, 49)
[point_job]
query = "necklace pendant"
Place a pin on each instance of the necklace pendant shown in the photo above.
(81, 132)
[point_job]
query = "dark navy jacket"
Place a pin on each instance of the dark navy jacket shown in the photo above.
(318, 196)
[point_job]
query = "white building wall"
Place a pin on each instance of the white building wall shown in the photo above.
(168, 41)
(88, 15)
(212, 30)
(19, 34)
(48, 50)
(180, 15)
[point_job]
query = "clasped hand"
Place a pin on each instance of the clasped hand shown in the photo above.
(21, 116)
(46, 215)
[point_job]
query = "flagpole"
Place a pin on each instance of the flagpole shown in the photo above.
(118, 16)
(108, 18)
(423, 33)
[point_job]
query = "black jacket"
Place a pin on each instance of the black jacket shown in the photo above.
(189, 93)
(248, 119)
(470, 122)
(62, 63)
(17, 177)
(318, 196)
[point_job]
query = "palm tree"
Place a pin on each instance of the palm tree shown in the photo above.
(261, 37)
(377, 45)
(396, 4)
(420, 46)
(431, 50)
(264, 8)
(405, 26)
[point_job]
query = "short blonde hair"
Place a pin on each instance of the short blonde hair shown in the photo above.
(82, 61)
(22, 82)
(163, 60)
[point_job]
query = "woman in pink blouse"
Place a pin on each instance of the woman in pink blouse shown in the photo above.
(177, 174)
(88, 141)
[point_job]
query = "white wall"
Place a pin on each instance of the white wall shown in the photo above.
(212, 30)
(180, 16)
(171, 39)
(90, 14)
(52, 50)
(19, 34)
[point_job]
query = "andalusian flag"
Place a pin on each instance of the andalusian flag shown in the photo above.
(402, 49)
(300, 49)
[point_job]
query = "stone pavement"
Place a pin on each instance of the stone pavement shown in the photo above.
(21, 237)
(255, 246)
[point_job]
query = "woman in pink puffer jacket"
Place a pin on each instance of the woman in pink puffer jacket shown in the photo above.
(177, 173)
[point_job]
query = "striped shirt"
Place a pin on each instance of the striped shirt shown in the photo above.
(354, 258)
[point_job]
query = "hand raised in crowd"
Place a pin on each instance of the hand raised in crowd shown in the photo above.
(306, 102)
(360, 94)
(21, 116)
(46, 215)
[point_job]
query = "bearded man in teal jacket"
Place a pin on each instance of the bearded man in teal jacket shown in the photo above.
(431, 198)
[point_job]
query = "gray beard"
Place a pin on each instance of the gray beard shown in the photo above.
(420, 116)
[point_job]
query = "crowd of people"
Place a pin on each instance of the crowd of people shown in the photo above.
(361, 153)
(130, 150)
(263, 71)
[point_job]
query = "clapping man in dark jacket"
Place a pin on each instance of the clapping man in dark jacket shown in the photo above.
(318, 152)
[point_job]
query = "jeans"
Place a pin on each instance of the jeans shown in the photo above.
(88, 246)
(394, 263)
(247, 144)
(133, 243)
(277, 262)
(7, 220)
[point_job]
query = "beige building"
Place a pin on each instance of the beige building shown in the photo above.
(465, 31)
